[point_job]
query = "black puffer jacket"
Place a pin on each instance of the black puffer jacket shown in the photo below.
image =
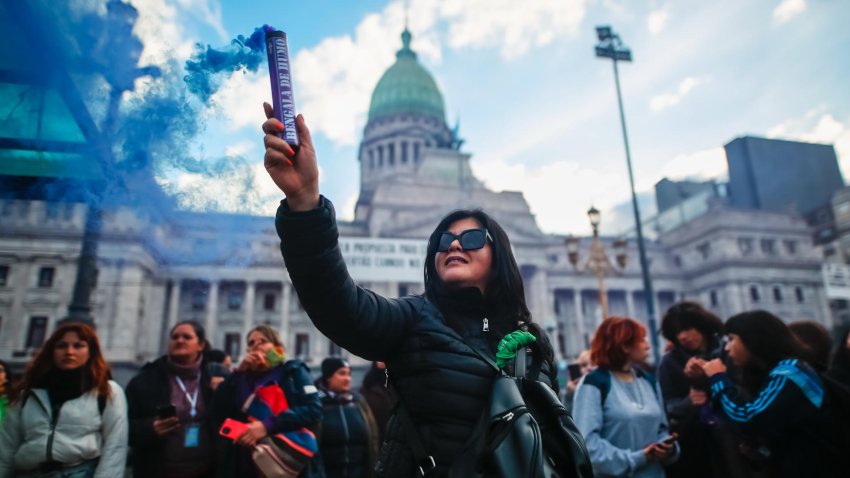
(437, 374)
(349, 438)
(146, 392)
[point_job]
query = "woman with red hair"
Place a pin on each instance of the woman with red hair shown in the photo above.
(618, 406)
(66, 417)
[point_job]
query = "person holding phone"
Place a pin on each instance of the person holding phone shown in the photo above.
(266, 395)
(576, 372)
(66, 418)
(619, 409)
(169, 402)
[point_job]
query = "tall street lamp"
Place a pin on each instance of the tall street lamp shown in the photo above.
(598, 262)
(610, 46)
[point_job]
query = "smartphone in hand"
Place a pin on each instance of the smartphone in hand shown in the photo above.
(166, 411)
(232, 429)
(669, 440)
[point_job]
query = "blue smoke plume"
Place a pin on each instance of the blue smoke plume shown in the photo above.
(139, 135)
(243, 54)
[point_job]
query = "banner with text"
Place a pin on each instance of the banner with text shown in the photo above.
(383, 260)
(836, 280)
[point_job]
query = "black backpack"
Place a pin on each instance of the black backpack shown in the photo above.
(524, 432)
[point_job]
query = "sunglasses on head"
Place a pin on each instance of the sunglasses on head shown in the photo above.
(470, 239)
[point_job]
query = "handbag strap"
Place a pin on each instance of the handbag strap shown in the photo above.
(424, 462)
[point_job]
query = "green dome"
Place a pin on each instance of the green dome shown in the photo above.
(406, 87)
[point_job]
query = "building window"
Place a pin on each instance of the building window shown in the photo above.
(391, 154)
(45, 277)
(768, 246)
(36, 332)
(798, 293)
(334, 350)
(234, 300)
(416, 147)
(232, 344)
(754, 293)
(380, 156)
(302, 345)
(704, 250)
(4, 276)
(745, 244)
(371, 159)
(791, 247)
(677, 261)
(404, 152)
(712, 298)
(777, 294)
(23, 209)
(199, 300)
(269, 301)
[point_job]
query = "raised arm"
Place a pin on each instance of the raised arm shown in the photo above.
(359, 320)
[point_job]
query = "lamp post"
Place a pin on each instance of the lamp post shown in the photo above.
(598, 262)
(610, 46)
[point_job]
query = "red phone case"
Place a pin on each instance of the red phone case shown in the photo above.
(232, 429)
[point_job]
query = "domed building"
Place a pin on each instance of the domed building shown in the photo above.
(412, 169)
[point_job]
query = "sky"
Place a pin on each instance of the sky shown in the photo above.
(537, 109)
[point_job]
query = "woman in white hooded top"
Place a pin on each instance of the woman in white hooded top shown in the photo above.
(66, 419)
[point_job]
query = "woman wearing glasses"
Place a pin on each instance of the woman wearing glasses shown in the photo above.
(439, 347)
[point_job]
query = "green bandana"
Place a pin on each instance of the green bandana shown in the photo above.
(506, 351)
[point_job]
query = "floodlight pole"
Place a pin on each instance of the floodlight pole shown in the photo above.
(611, 46)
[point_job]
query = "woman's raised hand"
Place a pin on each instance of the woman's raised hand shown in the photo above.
(297, 175)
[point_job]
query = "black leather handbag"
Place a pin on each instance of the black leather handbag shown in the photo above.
(524, 432)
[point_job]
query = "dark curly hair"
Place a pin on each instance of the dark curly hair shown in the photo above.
(690, 315)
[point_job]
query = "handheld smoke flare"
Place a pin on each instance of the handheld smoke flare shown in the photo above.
(280, 73)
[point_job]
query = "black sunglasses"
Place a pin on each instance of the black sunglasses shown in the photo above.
(470, 239)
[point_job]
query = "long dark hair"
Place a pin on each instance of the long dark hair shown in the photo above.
(504, 292)
(95, 371)
(768, 341)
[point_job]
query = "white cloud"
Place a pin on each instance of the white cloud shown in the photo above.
(209, 11)
(162, 31)
(787, 10)
(666, 100)
(698, 165)
(550, 187)
(241, 148)
(335, 79)
(514, 27)
(657, 20)
(240, 99)
(818, 127)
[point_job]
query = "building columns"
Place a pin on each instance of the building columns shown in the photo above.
(580, 318)
(630, 303)
(174, 304)
(285, 315)
(248, 320)
(212, 313)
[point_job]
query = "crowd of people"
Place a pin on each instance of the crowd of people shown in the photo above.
(748, 397)
(65, 417)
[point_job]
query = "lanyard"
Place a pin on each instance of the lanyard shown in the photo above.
(193, 399)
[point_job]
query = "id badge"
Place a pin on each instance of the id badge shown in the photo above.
(192, 435)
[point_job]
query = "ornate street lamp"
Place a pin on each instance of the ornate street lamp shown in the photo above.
(598, 262)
